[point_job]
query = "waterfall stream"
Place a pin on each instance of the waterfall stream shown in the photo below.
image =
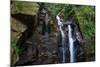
(60, 24)
(71, 45)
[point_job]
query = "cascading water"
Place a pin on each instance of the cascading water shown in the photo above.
(71, 44)
(60, 24)
(63, 42)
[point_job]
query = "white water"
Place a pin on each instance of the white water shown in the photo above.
(71, 45)
(60, 24)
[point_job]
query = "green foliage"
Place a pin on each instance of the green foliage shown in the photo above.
(86, 20)
(54, 8)
(26, 8)
(84, 14)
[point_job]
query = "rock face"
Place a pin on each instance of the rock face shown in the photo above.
(47, 47)
(16, 32)
(45, 39)
(34, 46)
(22, 27)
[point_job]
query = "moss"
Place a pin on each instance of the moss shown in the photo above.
(26, 8)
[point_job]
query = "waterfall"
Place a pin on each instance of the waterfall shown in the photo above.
(60, 24)
(71, 44)
(63, 42)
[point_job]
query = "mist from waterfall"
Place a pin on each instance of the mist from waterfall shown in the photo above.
(71, 44)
